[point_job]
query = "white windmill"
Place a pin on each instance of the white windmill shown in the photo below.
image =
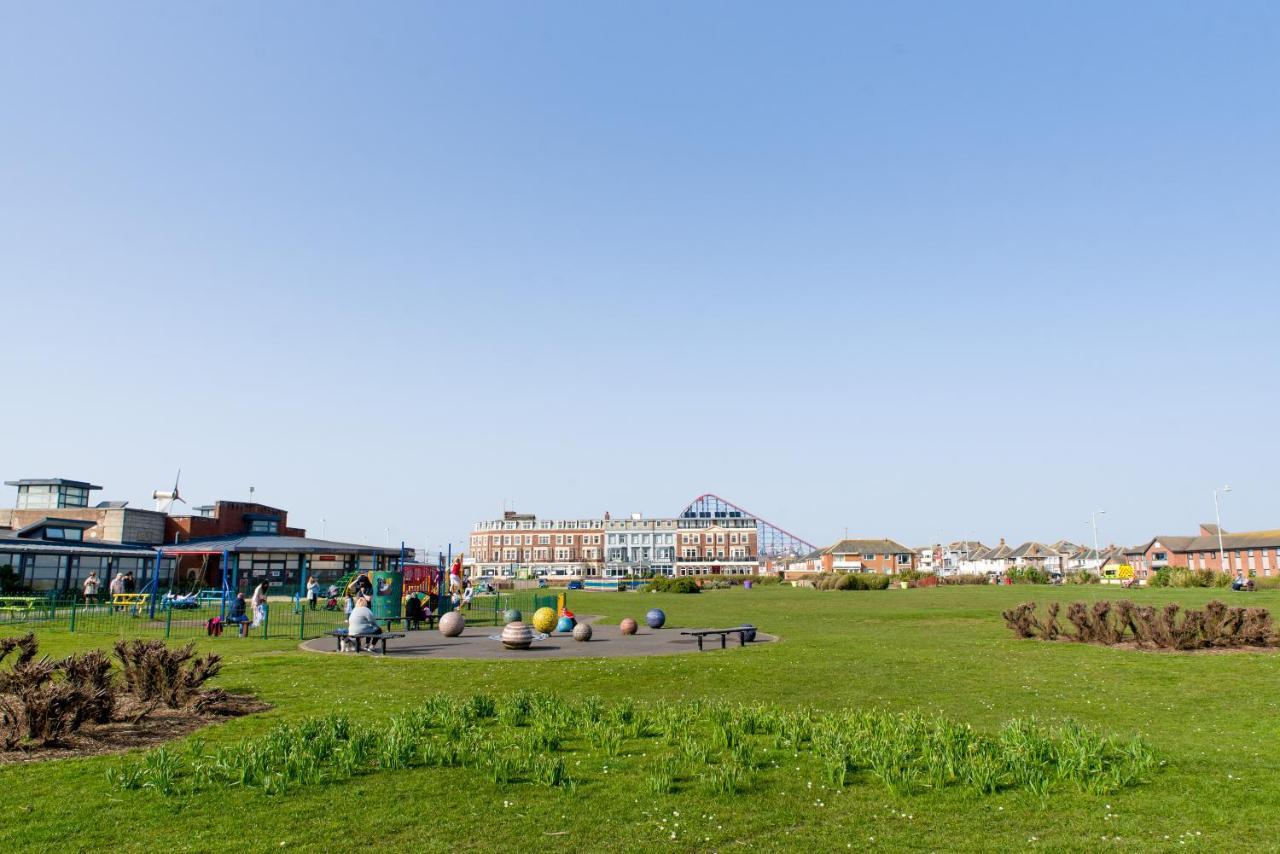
(165, 500)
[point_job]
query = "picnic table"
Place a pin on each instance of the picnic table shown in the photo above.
(740, 631)
(370, 640)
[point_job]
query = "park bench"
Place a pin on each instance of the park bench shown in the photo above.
(370, 640)
(429, 619)
(740, 631)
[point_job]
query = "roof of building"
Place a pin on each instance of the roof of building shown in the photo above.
(867, 547)
(53, 521)
(1032, 549)
(13, 544)
(50, 481)
(272, 543)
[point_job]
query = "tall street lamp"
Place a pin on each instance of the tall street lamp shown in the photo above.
(1217, 516)
(1093, 520)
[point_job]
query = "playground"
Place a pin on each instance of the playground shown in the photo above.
(479, 642)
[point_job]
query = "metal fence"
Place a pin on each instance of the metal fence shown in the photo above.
(284, 619)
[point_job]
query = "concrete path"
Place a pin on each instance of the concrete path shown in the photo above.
(606, 641)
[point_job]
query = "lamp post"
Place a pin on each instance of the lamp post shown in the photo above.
(1217, 516)
(1093, 520)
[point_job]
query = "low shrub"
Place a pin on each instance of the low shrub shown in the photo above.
(681, 584)
(1217, 625)
(853, 581)
(1028, 575)
(964, 578)
(1082, 576)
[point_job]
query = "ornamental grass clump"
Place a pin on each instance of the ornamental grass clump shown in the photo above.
(1217, 625)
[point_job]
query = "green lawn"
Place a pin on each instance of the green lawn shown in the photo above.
(1212, 718)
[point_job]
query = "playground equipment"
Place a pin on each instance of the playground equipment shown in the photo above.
(582, 632)
(655, 618)
(512, 615)
(627, 626)
(565, 624)
(516, 636)
(452, 624)
(544, 620)
(135, 603)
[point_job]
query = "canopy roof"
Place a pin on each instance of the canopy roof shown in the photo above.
(259, 543)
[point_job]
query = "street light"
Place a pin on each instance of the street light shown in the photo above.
(1093, 520)
(1217, 516)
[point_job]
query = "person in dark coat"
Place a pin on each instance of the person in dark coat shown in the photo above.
(414, 616)
(239, 614)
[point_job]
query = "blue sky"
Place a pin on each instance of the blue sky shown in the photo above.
(917, 270)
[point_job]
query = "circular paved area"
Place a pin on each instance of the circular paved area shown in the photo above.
(606, 641)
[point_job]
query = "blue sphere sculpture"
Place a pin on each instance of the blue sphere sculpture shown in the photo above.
(512, 615)
(655, 618)
(565, 624)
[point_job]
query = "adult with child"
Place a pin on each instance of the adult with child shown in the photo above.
(259, 603)
(313, 591)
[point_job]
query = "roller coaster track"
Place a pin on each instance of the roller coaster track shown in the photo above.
(771, 541)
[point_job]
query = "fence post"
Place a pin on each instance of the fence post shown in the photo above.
(72, 627)
(302, 625)
(168, 620)
(266, 619)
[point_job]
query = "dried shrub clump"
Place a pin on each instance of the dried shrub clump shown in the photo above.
(43, 701)
(160, 674)
(1216, 626)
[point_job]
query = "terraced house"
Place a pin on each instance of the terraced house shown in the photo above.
(884, 557)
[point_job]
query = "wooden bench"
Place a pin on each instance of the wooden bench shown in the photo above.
(740, 631)
(370, 640)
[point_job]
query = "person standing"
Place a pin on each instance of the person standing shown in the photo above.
(128, 582)
(91, 588)
(313, 591)
(116, 586)
(259, 605)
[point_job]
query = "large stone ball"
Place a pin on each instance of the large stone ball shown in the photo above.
(544, 620)
(582, 632)
(565, 624)
(655, 618)
(627, 626)
(517, 635)
(512, 615)
(452, 624)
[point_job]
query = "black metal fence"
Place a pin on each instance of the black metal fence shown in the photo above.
(284, 618)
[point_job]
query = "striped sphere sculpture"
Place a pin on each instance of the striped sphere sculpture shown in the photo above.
(627, 626)
(452, 624)
(582, 632)
(517, 635)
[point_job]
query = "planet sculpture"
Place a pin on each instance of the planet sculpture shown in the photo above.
(582, 632)
(512, 615)
(452, 624)
(517, 635)
(655, 618)
(544, 620)
(627, 626)
(565, 624)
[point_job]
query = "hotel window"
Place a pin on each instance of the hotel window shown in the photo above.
(544, 540)
(562, 554)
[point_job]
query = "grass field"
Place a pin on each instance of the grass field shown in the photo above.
(1212, 719)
